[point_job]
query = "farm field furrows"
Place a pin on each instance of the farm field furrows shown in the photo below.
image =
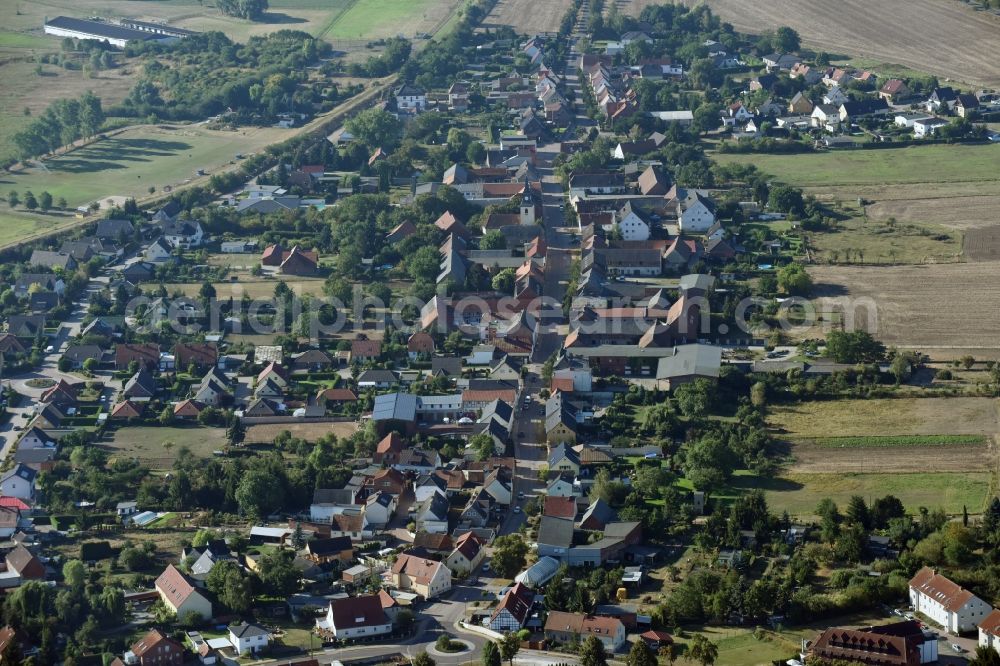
(932, 305)
(942, 37)
(528, 16)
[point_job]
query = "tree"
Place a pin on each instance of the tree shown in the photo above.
(493, 240)
(854, 347)
(857, 512)
(423, 659)
(794, 280)
(13, 199)
(74, 574)
(491, 654)
(483, 445)
(509, 646)
(29, 200)
(504, 281)
(640, 655)
(509, 553)
(985, 656)
(375, 128)
(245, 9)
(45, 201)
(62, 203)
(786, 199)
(695, 398)
(231, 586)
(258, 494)
(592, 652)
(475, 153)
(703, 650)
(786, 40)
(708, 462)
(277, 573)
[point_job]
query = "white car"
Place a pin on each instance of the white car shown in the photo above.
(517, 509)
(957, 648)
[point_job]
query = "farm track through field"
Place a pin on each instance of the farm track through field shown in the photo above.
(942, 37)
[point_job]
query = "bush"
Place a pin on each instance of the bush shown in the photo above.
(944, 374)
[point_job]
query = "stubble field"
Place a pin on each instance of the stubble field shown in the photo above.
(925, 306)
(941, 37)
(528, 16)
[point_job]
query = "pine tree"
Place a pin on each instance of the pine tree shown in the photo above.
(491, 654)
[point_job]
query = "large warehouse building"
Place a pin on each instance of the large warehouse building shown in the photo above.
(116, 35)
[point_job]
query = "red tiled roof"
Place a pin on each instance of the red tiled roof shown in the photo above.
(419, 569)
(489, 395)
(560, 507)
(337, 395)
(991, 625)
(932, 584)
(174, 586)
(517, 602)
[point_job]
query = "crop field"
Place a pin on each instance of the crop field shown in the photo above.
(901, 418)
(889, 31)
(982, 243)
(127, 164)
(893, 441)
(926, 306)
(266, 433)
(157, 446)
(528, 16)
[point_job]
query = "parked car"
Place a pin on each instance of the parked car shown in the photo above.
(957, 648)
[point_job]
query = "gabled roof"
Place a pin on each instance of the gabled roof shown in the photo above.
(154, 640)
(939, 588)
(517, 602)
(20, 558)
(175, 586)
(560, 507)
(355, 612)
(330, 546)
(419, 569)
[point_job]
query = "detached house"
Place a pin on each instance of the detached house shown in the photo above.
(427, 578)
(513, 611)
(576, 627)
(410, 98)
(956, 609)
(180, 595)
(467, 555)
(155, 649)
(355, 617)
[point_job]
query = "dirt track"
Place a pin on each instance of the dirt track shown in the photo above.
(823, 460)
(942, 37)
(528, 16)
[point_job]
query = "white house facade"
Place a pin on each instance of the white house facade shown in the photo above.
(956, 609)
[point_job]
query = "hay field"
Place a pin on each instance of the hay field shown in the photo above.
(266, 433)
(942, 37)
(927, 306)
(528, 16)
(157, 446)
(898, 416)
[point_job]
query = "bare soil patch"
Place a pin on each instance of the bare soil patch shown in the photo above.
(824, 460)
(932, 305)
(956, 212)
(528, 16)
(890, 31)
(266, 433)
(982, 243)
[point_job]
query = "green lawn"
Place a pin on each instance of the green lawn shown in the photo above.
(378, 18)
(798, 494)
(17, 227)
(129, 163)
(914, 164)
(20, 40)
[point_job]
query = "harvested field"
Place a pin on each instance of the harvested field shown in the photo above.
(982, 243)
(528, 16)
(266, 433)
(889, 31)
(899, 416)
(810, 459)
(928, 306)
(254, 288)
(951, 210)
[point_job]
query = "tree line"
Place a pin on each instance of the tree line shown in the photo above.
(62, 123)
